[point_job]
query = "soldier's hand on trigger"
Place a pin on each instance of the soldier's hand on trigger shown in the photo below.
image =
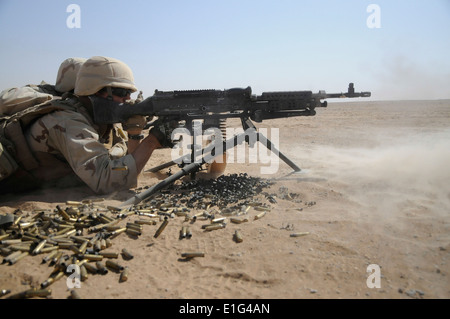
(135, 124)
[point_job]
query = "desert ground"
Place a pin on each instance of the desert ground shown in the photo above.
(374, 191)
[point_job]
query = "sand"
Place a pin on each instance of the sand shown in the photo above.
(373, 196)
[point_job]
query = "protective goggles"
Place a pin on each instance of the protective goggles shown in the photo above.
(121, 92)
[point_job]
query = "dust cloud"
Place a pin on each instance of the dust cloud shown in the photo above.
(400, 174)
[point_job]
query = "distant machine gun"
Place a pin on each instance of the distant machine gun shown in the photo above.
(212, 108)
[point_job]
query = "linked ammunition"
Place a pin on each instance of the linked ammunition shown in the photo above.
(192, 254)
(113, 265)
(238, 236)
(126, 254)
(124, 275)
(161, 228)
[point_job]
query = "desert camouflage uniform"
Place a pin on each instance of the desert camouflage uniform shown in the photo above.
(67, 142)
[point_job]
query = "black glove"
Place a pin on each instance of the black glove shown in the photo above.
(162, 130)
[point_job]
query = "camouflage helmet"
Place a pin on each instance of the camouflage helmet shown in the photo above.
(67, 74)
(99, 72)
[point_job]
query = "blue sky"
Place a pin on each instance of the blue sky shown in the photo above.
(268, 45)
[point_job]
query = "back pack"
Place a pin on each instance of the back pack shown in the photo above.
(19, 108)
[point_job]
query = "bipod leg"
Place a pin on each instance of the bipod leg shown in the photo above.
(248, 124)
(264, 140)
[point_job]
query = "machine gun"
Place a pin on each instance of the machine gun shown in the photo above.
(212, 108)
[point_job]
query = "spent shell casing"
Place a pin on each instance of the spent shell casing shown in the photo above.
(39, 246)
(218, 220)
(238, 221)
(133, 232)
(53, 277)
(83, 273)
(4, 292)
(299, 234)
(145, 222)
(260, 215)
(238, 236)
(16, 259)
(74, 294)
(183, 232)
(92, 257)
(49, 256)
(161, 228)
(101, 268)
(102, 244)
(113, 265)
(50, 248)
(192, 254)
(262, 208)
(10, 241)
(134, 226)
(214, 227)
(118, 232)
(188, 232)
(13, 255)
(62, 212)
(83, 247)
(126, 254)
(124, 275)
(31, 293)
(90, 268)
(109, 254)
